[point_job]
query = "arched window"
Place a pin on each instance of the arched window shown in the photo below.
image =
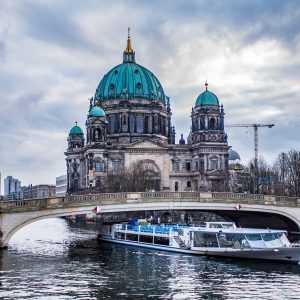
(140, 124)
(175, 165)
(202, 126)
(116, 164)
(98, 167)
(188, 166)
(131, 122)
(112, 122)
(146, 124)
(176, 186)
(214, 163)
(212, 123)
(112, 89)
(124, 118)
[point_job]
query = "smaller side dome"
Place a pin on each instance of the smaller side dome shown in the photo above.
(207, 98)
(96, 111)
(76, 130)
(233, 155)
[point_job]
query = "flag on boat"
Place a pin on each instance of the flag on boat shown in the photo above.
(96, 210)
(238, 206)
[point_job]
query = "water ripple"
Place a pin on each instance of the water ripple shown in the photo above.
(54, 259)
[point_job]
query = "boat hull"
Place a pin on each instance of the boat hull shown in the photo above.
(283, 255)
(286, 255)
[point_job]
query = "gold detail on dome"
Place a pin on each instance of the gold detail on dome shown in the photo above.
(128, 48)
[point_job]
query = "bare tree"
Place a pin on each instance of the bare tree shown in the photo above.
(261, 181)
(281, 173)
(287, 173)
(140, 176)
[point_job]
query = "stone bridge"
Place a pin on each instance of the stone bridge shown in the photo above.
(255, 210)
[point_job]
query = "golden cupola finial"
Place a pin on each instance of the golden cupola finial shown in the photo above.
(128, 48)
(128, 54)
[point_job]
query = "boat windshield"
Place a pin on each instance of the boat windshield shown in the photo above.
(267, 240)
(239, 240)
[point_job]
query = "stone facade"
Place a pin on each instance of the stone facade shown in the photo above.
(129, 120)
(38, 191)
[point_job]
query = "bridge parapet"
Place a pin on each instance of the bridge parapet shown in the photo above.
(122, 198)
(237, 196)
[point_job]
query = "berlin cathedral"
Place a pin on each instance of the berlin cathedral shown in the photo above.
(130, 120)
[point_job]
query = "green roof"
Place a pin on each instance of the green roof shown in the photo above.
(207, 98)
(76, 130)
(97, 111)
(130, 80)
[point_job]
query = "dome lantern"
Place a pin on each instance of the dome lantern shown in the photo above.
(128, 54)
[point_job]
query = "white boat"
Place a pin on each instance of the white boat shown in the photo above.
(221, 239)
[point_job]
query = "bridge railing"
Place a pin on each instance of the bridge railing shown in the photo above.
(120, 198)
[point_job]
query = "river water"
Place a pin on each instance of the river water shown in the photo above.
(55, 259)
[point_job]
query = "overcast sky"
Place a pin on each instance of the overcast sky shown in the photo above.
(53, 53)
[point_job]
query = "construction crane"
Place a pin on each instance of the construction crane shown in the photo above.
(255, 128)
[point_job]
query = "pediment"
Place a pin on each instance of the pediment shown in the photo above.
(146, 144)
(216, 173)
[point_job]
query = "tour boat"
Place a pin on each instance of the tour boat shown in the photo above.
(221, 239)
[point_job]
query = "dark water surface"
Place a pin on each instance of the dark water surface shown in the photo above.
(54, 259)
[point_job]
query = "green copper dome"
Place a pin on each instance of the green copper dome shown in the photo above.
(207, 98)
(76, 130)
(97, 111)
(130, 80)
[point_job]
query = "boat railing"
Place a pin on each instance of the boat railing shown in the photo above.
(153, 229)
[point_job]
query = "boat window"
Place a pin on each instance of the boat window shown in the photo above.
(146, 239)
(215, 225)
(161, 240)
(203, 239)
(120, 235)
(284, 239)
(228, 225)
(232, 240)
(225, 241)
(255, 241)
(272, 240)
(269, 237)
(132, 237)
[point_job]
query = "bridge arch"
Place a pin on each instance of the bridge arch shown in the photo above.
(16, 214)
(262, 218)
(19, 223)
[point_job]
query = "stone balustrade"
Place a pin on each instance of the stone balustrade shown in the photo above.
(119, 198)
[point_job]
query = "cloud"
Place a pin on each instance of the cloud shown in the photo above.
(54, 53)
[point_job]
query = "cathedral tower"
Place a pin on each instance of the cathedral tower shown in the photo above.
(209, 142)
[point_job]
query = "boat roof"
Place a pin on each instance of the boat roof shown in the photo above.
(238, 230)
(213, 227)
